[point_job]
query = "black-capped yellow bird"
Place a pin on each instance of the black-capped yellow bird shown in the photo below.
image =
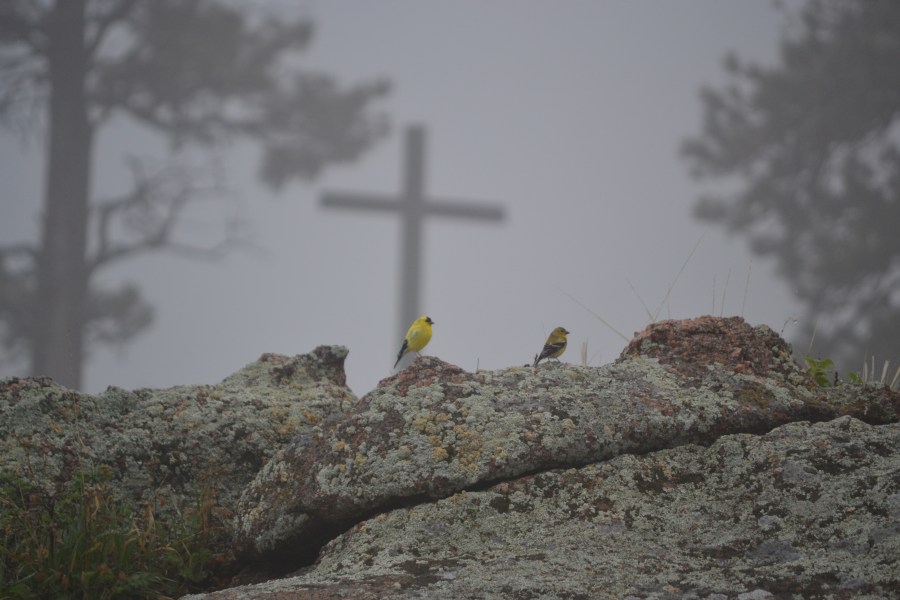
(417, 337)
(554, 346)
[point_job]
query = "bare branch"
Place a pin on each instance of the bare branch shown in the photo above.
(151, 211)
(147, 195)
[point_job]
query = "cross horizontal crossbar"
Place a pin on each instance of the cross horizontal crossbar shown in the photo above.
(440, 207)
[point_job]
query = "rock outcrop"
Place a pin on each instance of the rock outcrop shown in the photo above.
(703, 463)
(434, 429)
(168, 443)
(804, 511)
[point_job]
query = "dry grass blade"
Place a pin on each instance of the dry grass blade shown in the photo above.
(746, 289)
(596, 316)
(812, 339)
(678, 276)
(641, 300)
(724, 292)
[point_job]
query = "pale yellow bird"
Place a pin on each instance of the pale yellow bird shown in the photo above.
(554, 346)
(417, 337)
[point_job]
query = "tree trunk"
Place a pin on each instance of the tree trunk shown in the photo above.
(58, 349)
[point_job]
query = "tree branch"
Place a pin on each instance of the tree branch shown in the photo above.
(151, 212)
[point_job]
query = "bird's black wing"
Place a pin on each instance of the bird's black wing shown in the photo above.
(549, 350)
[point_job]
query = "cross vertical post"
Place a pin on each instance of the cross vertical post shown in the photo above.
(413, 207)
(411, 244)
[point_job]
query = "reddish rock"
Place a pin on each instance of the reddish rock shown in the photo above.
(689, 347)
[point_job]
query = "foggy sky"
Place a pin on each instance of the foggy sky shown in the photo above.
(570, 114)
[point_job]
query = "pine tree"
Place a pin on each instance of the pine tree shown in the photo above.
(806, 154)
(195, 72)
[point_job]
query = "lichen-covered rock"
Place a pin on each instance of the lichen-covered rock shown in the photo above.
(435, 429)
(687, 347)
(804, 511)
(170, 442)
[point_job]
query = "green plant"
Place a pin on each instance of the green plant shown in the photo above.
(82, 542)
(817, 370)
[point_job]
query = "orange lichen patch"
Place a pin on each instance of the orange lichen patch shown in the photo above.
(470, 447)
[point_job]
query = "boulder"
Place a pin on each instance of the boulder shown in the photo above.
(702, 463)
(166, 444)
(434, 430)
(805, 511)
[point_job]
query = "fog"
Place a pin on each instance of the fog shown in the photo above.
(569, 115)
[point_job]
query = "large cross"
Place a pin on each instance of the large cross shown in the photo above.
(413, 208)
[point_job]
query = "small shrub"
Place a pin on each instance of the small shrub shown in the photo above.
(817, 369)
(82, 542)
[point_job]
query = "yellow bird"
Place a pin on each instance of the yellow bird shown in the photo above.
(417, 337)
(555, 345)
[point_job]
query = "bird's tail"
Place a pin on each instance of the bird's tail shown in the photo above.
(401, 353)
